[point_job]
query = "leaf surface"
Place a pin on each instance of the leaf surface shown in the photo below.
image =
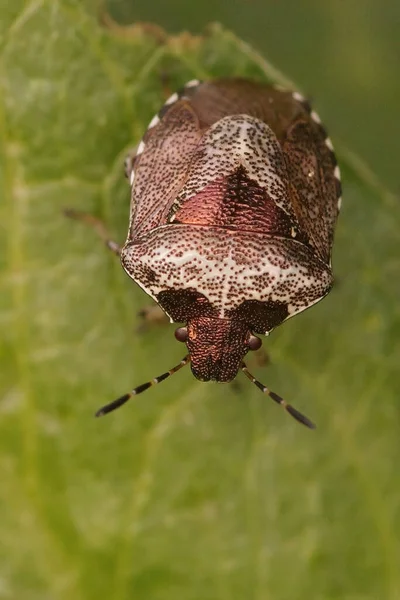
(193, 490)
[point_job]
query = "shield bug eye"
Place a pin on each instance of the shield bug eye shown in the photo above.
(254, 343)
(181, 334)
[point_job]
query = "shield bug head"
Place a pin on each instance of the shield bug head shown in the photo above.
(235, 196)
(217, 347)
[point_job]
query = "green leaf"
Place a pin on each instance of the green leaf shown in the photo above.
(193, 490)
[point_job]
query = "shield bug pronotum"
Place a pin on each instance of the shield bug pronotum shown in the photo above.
(235, 196)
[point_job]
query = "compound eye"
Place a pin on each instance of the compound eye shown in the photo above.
(181, 334)
(254, 343)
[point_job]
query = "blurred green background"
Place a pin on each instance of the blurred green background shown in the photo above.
(192, 491)
(344, 55)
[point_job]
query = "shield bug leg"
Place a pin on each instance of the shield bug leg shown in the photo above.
(104, 410)
(292, 411)
(97, 225)
(261, 358)
(129, 163)
(151, 315)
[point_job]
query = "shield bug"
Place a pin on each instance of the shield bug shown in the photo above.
(235, 196)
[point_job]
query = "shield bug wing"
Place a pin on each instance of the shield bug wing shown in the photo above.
(234, 201)
(314, 179)
(160, 165)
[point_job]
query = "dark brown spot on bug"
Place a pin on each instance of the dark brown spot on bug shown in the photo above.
(183, 305)
(261, 316)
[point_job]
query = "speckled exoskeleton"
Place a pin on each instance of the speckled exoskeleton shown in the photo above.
(235, 196)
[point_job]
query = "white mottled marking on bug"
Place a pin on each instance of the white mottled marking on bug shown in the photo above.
(328, 142)
(155, 121)
(293, 232)
(227, 267)
(315, 117)
(339, 203)
(336, 172)
(172, 99)
(192, 83)
(132, 177)
(298, 97)
(233, 141)
(140, 148)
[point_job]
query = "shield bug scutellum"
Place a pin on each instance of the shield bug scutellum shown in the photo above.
(235, 196)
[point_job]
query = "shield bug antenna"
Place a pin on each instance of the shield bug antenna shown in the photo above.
(104, 410)
(292, 411)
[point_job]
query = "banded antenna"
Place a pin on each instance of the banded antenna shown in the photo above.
(288, 407)
(104, 410)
